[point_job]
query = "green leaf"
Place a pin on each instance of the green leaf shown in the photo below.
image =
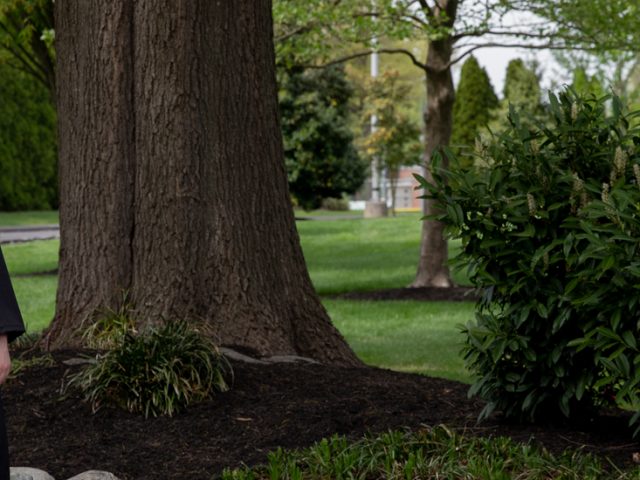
(629, 339)
(541, 308)
(580, 387)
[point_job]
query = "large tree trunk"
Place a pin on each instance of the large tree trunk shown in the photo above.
(210, 232)
(433, 270)
(96, 151)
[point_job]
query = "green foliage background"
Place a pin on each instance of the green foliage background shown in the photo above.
(320, 157)
(28, 159)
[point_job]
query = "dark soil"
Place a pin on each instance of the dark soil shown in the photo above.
(426, 294)
(269, 406)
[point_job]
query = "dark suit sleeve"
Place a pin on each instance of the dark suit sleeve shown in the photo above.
(11, 322)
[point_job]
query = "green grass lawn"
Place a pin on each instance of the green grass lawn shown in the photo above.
(13, 219)
(421, 337)
(32, 257)
(36, 296)
(415, 337)
(35, 293)
(363, 255)
(327, 213)
(342, 255)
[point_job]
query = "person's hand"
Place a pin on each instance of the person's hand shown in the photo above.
(5, 359)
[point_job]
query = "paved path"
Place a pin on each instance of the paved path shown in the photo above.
(28, 232)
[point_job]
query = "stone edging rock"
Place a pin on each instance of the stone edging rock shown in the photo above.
(27, 473)
(232, 354)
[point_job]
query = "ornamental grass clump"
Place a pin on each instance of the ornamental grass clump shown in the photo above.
(159, 371)
(550, 231)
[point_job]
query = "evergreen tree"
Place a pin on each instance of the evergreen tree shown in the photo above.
(522, 90)
(321, 159)
(522, 87)
(475, 101)
(28, 160)
(586, 84)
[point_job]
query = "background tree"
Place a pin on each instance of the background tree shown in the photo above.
(320, 157)
(475, 102)
(522, 86)
(396, 139)
(522, 91)
(585, 84)
(172, 177)
(323, 32)
(604, 72)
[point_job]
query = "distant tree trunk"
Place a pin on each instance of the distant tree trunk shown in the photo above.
(433, 270)
(206, 229)
(394, 172)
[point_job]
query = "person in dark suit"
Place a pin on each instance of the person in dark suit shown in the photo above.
(11, 327)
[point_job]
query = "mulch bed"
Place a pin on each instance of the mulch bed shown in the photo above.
(425, 294)
(269, 406)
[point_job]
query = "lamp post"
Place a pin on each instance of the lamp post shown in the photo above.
(377, 205)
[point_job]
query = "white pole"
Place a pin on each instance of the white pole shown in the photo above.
(375, 166)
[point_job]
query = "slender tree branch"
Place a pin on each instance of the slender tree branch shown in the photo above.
(409, 54)
(514, 33)
(366, 53)
(426, 8)
(21, 48)
(409, 19)
(27, 65)
(528, 46)
(293, 33)
(302, 28)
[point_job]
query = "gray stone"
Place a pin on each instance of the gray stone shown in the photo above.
(229, 353)
(290, 359)
(94, 475)
(27, 473)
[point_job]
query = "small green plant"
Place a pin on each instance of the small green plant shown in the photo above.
(110, 325)
(551, 234)
(336, 204)
(26, 341)
(431, 453)
(156, 372)
(21, 364)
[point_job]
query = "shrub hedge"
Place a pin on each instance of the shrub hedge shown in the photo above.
(551, 233)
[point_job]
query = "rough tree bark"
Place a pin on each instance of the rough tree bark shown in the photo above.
(173, 185)
(96, 151)
(433, 270)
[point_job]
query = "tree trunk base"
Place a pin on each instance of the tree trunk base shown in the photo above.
(441, 280)
(375, 210)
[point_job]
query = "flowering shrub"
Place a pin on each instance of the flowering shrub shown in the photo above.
(551, 234)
